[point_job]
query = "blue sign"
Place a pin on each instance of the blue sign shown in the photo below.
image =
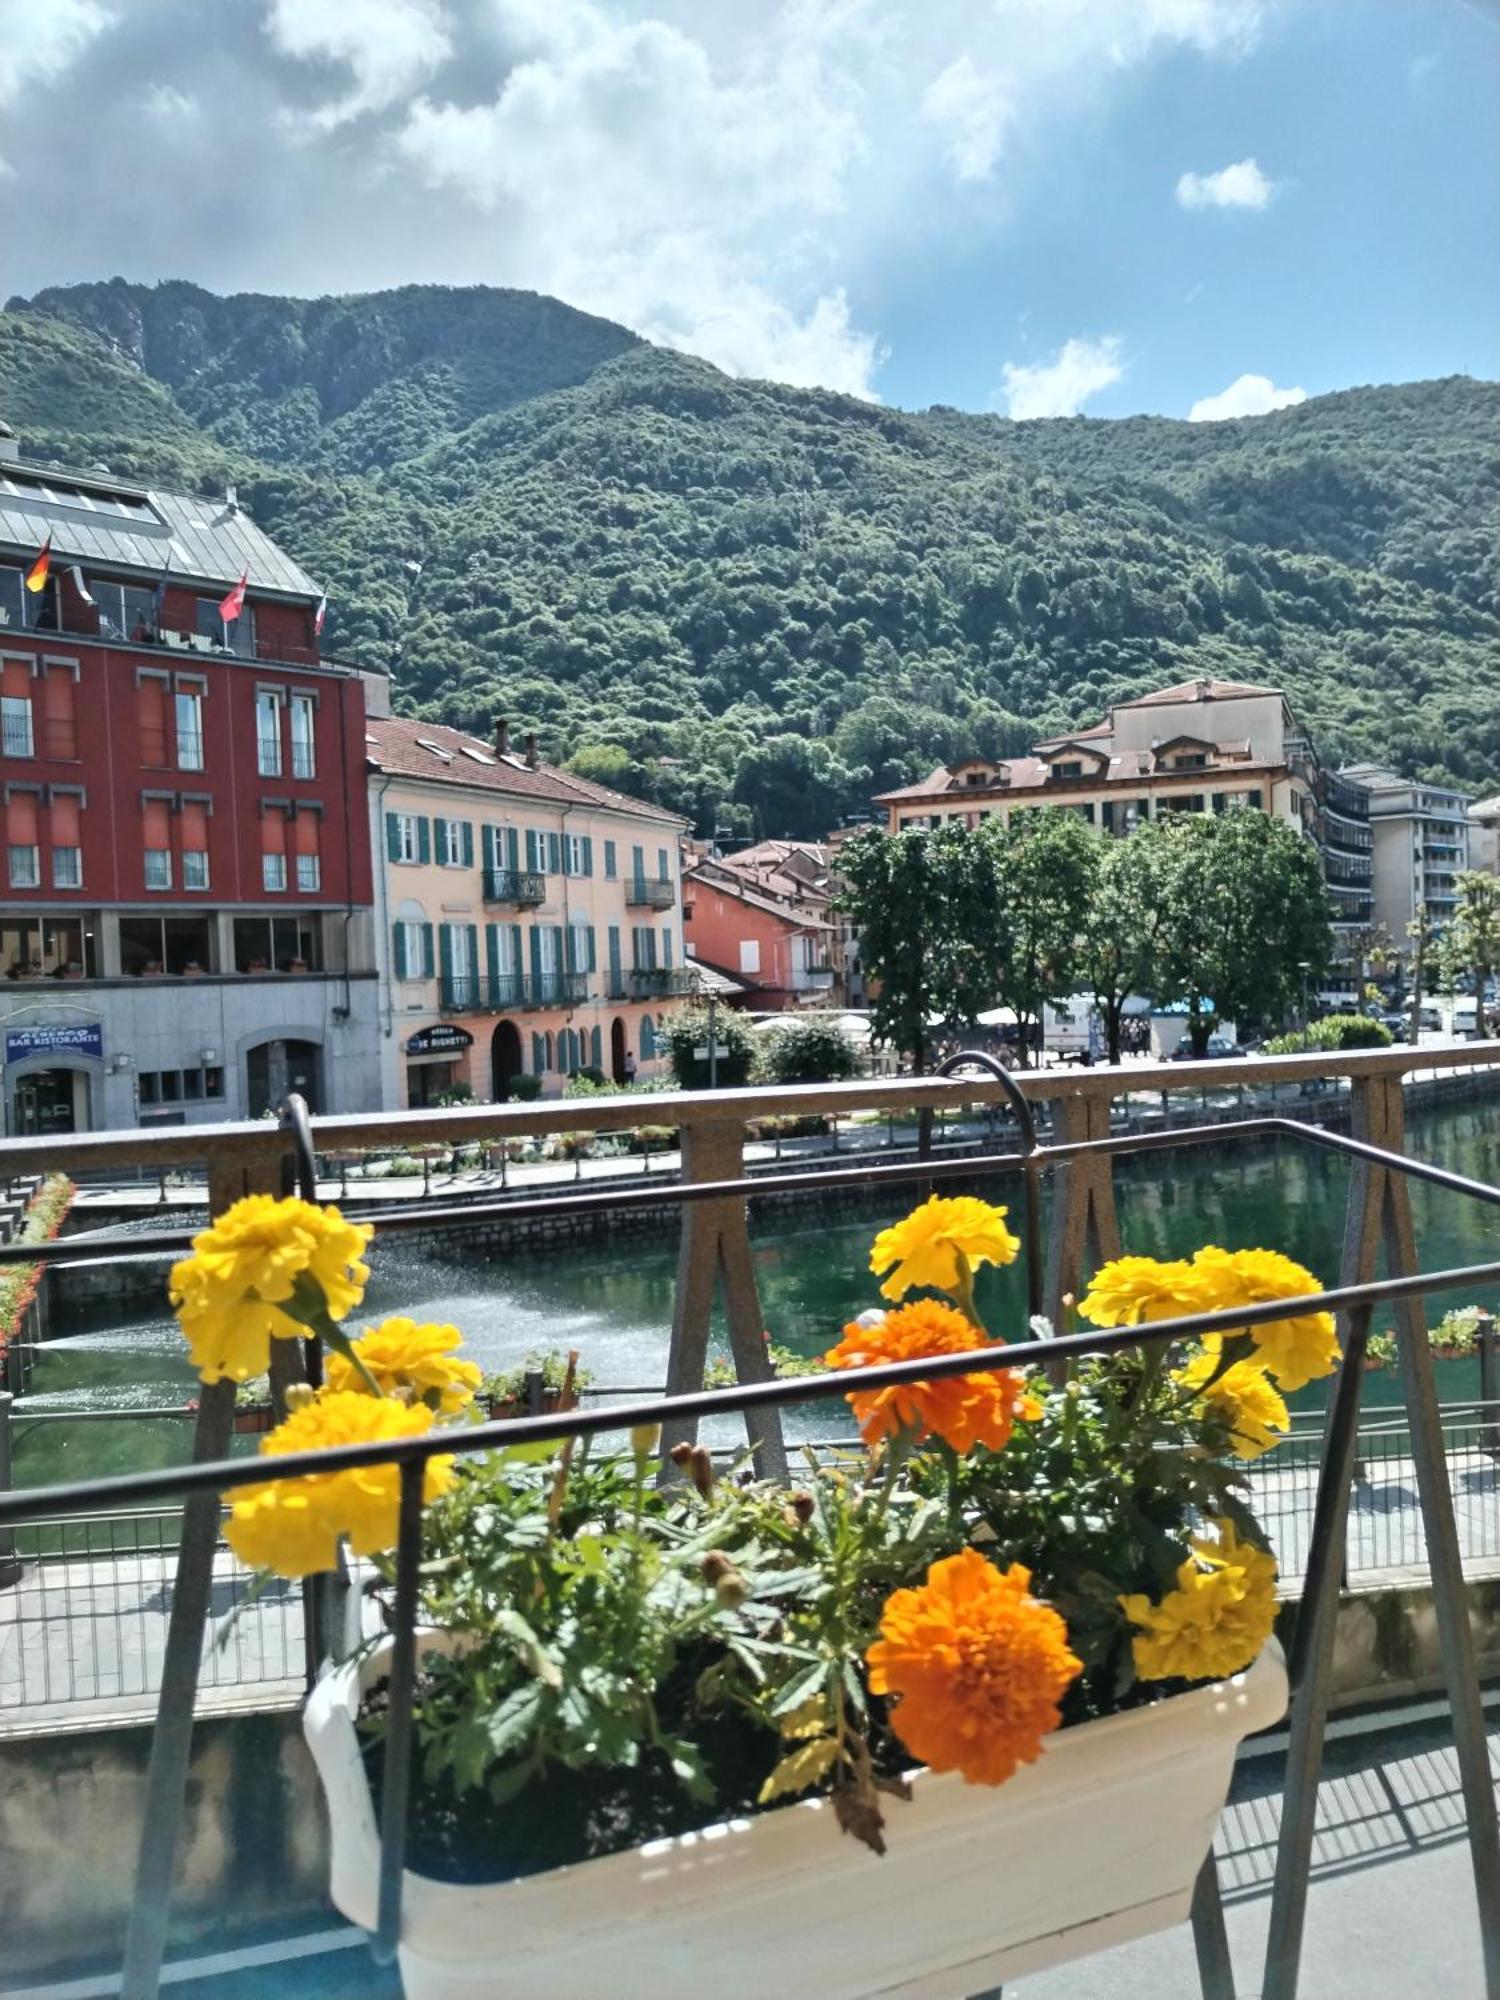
(20, 1043)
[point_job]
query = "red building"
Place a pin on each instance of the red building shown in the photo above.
(779, 948)
(185, 899)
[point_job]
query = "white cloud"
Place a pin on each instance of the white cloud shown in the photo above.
(1060, 387)
(166, 102)
(388, 46)
(1246, 396)
(972, 110)
(1242, 185)
(39, 42)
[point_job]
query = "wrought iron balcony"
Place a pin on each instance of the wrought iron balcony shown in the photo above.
(482, 992)
(515, 885)
(660, 982)
(557, 989)
(643, 894)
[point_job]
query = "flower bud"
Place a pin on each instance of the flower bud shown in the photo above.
(803, 1506)
(716, 1564)
(681, 1453)
(644, 1439)
(298, 1396)
(732, 1590)
(701, 1470)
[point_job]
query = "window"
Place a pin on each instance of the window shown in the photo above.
(454, 843)
(413, 950)
(268, 733)
(151, 692)
(188, 707)
(12, 597)
(179, 946)
(610, 866)
(577, 855)
(580, 945)
(309, 866)
(749, 954)
(1072, 769)
(278, 944)
(643, 949)
(273, 849)
(273, 872)
(41, 947)
(304, 757)
(126, 610)
(15, 712)
(157, 842)
(193, 835)
(67, 841)
(25, 866)
(172, 1086)
(405, 837)
(236, 637)
(663, 867)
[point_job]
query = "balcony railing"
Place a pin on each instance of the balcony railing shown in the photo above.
(811, 978)
(660, 982)
(643, 894)
(507, 992)
(515, 885)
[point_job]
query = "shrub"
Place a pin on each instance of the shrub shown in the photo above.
(686, 1032)
(1333, 1034)
(525, 1089)
(588, 1083)
(812, 1050)
(19, 1283)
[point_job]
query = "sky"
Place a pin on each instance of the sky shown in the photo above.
(1200, 208)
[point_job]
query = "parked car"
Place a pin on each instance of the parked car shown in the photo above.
(1219, 1048)
(1397, 1024)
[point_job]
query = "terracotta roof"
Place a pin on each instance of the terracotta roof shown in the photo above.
(406, 749)
(714, 875)
(1032, 774)
(1097, 729)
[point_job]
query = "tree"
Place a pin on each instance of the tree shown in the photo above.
(811, 1049)
(1120, 950)
(1421, 934)
(1473, 935)
(1246, 918)
(1045, 873)
(923, 904)
(687, 1031)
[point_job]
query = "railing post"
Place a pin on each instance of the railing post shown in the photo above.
(716, 1238)
(1085, 1225)
(10, 1564)
(1489, 1382)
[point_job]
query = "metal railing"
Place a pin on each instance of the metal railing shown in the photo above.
(501, 993)
(713, 1196)
(658, 982)
(520, 886)
(642, 893)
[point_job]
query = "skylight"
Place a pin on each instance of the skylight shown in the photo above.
(426, 743)
(468, 750)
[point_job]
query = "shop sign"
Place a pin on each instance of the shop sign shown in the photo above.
(442, 1038)
(22, 1043)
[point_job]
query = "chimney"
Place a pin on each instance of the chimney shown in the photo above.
(502, 737)
(532, 758)
(10, 451)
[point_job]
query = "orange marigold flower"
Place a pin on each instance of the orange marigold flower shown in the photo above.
(963, 1410)
(977, 1667)
(926, 1245)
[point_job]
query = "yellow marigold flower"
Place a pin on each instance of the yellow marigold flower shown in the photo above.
(401, 1354)
(292, 1526)
(232, 1294)
(1295, 1351)
(1130, 1290)
(976, 1667)
(1244, 1397)
(1215, 1621)
(963, 1410)
(925, 1247)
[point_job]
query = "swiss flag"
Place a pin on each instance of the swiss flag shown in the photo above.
(231, 606)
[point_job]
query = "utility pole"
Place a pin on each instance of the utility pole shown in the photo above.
(713, 1039)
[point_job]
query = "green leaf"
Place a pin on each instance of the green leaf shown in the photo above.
(687, 1768)
(804, 1766)
(802, 1689)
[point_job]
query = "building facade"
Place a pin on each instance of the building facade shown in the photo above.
(768, 927)
(1200, 746)
(185, 909)
(529, 923)
(1484, 834)
(1421, 845)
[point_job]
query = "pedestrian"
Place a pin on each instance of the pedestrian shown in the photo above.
(629, 1069)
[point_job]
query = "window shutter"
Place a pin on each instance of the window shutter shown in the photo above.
(614, 954)
(663, 874)
(588, 854)
(487, 845)
(516, 960)
(398, 949)
(492, 958)
(424, 839)
(427, 962)
(468, 839)
(445, 951)
(538, 1063)
(593, 964)
(570, 963)
(533, 859)
(666, 949)
(536, 962)
(637, 863)
(512, 850)
(554, 854)
(473, 930)
(609, 860)
(392, 837)
(596, 1049)
(559, 946)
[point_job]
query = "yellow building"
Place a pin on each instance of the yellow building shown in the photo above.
(530, 922)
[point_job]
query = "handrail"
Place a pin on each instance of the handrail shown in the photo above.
(368, 1130)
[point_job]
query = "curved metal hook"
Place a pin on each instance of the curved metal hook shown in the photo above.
(1030, 1169)
(297, 1125)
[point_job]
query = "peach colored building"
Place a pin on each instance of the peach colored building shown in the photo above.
(530, 923)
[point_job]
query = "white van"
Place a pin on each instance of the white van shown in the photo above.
(1465, 1015)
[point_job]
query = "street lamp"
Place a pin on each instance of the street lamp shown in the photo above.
(1304, 966)
(706, 993)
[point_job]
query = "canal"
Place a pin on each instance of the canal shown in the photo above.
(615, 1304)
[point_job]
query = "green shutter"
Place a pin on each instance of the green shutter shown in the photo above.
(588, 854)
(398, 950)
(489, 848)
(593, 964)
(492, 961)
(393, 836)
(596, 1049)
(468, 847)
(533, 854)
(536, 963)
(663, 873)
(473, 930)
(554, 854)
(609, 860)
(538, 1057)
(512, 850)
(428, 967)
(424, 839)
(445, 952)
(666, 948)
(637, 864)
(517, 961)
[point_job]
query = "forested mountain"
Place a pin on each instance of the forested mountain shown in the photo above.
(758, 603)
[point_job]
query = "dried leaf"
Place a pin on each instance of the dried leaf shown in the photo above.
(859, 1814)
(800, 1769)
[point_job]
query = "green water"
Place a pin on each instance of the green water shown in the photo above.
(615, 1305)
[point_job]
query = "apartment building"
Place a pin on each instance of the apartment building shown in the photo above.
(1484, 834)
(764, 917)
(529, 922)
(185, 909)
(1198, 746)
(1421, 835)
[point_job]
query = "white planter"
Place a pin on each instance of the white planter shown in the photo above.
(1096, 1843)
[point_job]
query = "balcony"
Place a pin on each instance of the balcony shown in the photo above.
(660, 982)
(518, 886)
(811, 978)
(641, 894)
(510, 992)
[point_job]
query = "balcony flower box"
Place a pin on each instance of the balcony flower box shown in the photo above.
(1095, 1844)
(252, 1419)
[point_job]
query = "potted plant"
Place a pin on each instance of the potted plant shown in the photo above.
(503, 1393)
(959, 1705)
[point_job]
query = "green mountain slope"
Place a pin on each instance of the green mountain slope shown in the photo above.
(759, 603)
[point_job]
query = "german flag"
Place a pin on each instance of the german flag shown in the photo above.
(36, 576)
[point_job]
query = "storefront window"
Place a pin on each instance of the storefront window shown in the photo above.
(48, 948)
(176, 947)
(278, 944)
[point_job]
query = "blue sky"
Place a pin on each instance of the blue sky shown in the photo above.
(1034, 206)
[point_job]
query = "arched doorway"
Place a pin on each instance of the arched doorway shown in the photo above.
(617, 1050)
(506, 1059)
(274, 1068)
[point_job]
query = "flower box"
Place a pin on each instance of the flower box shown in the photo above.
(1096, 1843)
(251, 1419)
